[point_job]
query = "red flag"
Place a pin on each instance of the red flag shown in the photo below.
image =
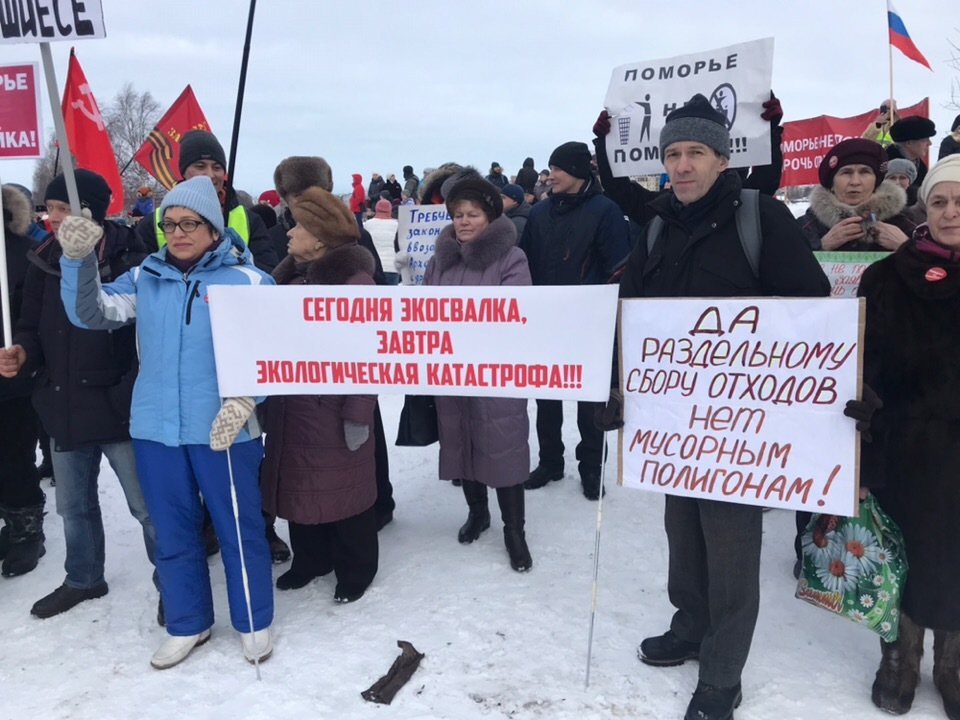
(87, 132)
(160, 153)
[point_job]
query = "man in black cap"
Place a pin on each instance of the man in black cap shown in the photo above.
(83, 391)
(911, 141)
(576, 236)
(714, 565)
(202, 154)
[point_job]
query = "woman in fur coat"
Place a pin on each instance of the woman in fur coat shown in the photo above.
(911, 346)
(854, 210)
(483, 441)
(319, 470)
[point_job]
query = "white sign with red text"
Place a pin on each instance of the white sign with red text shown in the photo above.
(742, 400)
(418, 228)
(534, 342)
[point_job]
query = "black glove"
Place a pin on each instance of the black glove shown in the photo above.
(610, 416)
(772, 111)
(601, 128)
(862, 411)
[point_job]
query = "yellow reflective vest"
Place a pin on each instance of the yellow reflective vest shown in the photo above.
(237, 219)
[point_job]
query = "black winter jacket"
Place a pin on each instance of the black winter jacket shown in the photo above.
(527, 176)
(260, 246)
(84, 378)
(580, 239)
(17, 265)
(948, 146)
(708, 260)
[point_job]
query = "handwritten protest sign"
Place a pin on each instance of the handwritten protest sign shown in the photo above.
(742, 400)
(543, 342)
(417, 232)
(20, 119)
(735, 79)
(43, 21)
(844, 270)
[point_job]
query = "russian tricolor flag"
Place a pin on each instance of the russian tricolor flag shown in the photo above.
(900, 38)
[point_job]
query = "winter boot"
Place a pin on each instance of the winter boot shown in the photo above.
(899, 673)
(478, 518)
(542, 475)
(26, 539)
(946, 670)
(4, 537)
(512, 511)
(279, 550)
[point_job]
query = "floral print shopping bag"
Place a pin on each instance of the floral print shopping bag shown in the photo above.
(856, 567)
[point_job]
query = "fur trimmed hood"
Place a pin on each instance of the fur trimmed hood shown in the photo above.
(335, 267)
(478, 254)
(433, 184)
(887, 200)
(16, 211)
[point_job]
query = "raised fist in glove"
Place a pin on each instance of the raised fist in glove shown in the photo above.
(862, 411)
(610, 416)
(772, 111)
(355, 434)
(228, 423)
(601, 128)
(78, 236)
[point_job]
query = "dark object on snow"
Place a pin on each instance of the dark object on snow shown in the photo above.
(384, 689)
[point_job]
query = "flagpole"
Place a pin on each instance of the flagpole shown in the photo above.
(890, 46)
(66, 159)
(231, 165)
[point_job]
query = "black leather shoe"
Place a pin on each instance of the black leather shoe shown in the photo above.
(384, 518)
(713, 703)
(293, 580)
(64, 598)
(542, 476)
(590, 482)
(667, 650)
(344, 595)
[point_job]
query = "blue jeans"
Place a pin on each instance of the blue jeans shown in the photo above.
(78, 504)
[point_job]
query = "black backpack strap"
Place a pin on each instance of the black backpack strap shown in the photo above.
(748, 228)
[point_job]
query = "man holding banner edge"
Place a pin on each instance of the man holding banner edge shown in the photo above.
(699, 253)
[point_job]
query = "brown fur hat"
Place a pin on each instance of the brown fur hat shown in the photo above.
(295, 174)
(325, 217)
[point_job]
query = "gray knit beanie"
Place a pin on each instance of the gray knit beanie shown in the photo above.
(697, 121)
(902, 166)
(199, 195)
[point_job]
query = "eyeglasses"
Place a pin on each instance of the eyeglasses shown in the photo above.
(187, 226)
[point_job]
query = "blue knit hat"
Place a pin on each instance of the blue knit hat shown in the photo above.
(199, 195)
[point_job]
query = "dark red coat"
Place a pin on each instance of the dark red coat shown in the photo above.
(308, 474)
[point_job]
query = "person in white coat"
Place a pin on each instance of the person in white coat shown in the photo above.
(383, 229)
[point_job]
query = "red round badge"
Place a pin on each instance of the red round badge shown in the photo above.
(833, 162)
(935, 273)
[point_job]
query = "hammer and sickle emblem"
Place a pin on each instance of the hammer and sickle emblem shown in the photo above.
(92, 113)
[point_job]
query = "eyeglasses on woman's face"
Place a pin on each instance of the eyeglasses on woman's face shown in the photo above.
(186, 226)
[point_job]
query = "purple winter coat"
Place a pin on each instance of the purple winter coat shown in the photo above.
(482, 439)
(308, 474)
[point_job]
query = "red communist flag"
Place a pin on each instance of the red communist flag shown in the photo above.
(160, 153)
(87, 133)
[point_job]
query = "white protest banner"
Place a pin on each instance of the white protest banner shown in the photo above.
(742, 400)
(844, 270)
(542, 342)
(43, 21)
(736, 80)
(417, 232)
(21, 123)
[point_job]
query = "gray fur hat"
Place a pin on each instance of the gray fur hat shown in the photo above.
(697, 121)
(295, 174)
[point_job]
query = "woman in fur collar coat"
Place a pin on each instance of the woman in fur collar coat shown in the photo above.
(854, 210)
(319, 470)
(483, 441)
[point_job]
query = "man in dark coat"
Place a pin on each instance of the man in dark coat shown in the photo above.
(527, 176)
(516, 207)
(291, 177)
(374, 189)
(699, 254)
(21, 500)
(635, 200)
(576, 237)
(83, 392)
(911, 141)
(411, 183)
(202, 154)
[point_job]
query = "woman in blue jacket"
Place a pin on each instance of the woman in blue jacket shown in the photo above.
(178, 424)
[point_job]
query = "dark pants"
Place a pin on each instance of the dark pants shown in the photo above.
(714, 581)
(549, 434)
(19, 480)
(802, 519)
(348, 546)
(384, 502)
(359, 217)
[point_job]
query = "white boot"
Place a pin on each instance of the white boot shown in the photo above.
(176, 648)
(257, 646)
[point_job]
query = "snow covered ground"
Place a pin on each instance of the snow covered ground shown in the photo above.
(498, 644)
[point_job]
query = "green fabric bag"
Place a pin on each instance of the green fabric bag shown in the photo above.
(856, 567)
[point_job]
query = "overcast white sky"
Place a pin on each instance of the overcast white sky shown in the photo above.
(372, 86)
